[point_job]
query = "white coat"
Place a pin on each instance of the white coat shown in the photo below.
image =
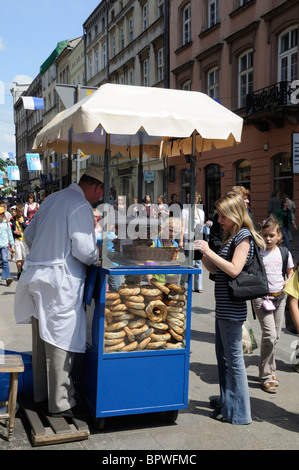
(62, 243)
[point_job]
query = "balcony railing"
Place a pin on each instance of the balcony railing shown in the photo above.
(269, 98)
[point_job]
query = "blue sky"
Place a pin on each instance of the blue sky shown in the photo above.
(29, 32)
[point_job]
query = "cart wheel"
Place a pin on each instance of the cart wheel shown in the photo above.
(100, 423)
(170, 416)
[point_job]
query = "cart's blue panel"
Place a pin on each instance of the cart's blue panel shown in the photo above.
(141, 383)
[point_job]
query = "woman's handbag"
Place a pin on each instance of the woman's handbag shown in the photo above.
(248, 338)
(252, 281)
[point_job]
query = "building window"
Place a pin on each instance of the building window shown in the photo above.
(113, 45)
(213, 187)
(187, 85)
(160, 65)
(104, 55)
(212, 13)
(245, 76)
(97, 62)
(160, 6)
(131, 29)
(243, 170)
(90, 67)
(121, 39)
(145, 18)
(287, 55)
(187, 24)
(212, 83)
(283, 176)
(145, 73)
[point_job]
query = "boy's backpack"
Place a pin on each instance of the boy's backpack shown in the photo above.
(285, 255)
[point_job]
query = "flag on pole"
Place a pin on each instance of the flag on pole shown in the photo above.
(31, 102)
(33, 162)
(1, 177)
(13, 173)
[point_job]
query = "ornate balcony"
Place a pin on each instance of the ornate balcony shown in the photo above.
(273, 105)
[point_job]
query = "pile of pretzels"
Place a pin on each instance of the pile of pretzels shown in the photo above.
(144, 316)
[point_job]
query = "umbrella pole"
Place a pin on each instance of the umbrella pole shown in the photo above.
(140, 174)
(69, 159)
(193, 180)
(106, 215)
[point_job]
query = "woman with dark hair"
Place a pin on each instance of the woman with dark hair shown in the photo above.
(30, 207)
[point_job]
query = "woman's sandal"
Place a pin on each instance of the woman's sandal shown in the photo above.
(216, 414)
(269, 387)
(275, 380)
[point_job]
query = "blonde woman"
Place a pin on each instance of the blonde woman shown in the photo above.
(233, 405)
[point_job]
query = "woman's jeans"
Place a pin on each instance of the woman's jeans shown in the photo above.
(5, 266)
(234, 392)
(285, 233)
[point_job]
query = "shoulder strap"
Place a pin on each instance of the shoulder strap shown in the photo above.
(285, 255)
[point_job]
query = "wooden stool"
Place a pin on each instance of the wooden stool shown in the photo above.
(13, 364)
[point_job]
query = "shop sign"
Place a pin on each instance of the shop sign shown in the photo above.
(295, 151)
(149, 176)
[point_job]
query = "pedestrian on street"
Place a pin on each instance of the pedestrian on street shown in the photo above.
(49, 294)
(270, 310)
(6, 240)
(19, 224)
(233, 405)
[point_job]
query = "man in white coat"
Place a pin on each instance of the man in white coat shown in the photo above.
(50, 290)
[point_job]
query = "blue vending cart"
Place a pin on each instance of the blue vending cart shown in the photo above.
(145, 379)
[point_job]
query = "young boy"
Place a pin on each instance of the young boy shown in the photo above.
(19, 223)
(6, 239)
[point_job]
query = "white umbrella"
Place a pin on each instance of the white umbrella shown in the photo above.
(133, 115)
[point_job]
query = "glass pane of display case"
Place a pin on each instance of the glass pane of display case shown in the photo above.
(145, 312)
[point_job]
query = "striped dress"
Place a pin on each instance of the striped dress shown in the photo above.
(226, 308)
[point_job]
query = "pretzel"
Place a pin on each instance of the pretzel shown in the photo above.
(140, 313)
(130, 335)
(172, 309)
(156, 311)
(125, 316)
(138, 331)
(149, 290)
(111, 342)
(158, 326)
(146, 333)
(113, 301)
(155, 344)
(116, 347)
(161, 337)
(176, 288)
(175, 303)
(177, 297)
(179, 345)
(137, 323)
(114, 334)
(177, 329)
(178, 315)
(124, 290)
(117, 325)
(150, 298)
(160, 286)
(175, 321)
(134, 298)
(143, 343)
(108, 315)
(130, 347)
(113, 308)
(175, 335)
(112, 295)
(135, 305)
